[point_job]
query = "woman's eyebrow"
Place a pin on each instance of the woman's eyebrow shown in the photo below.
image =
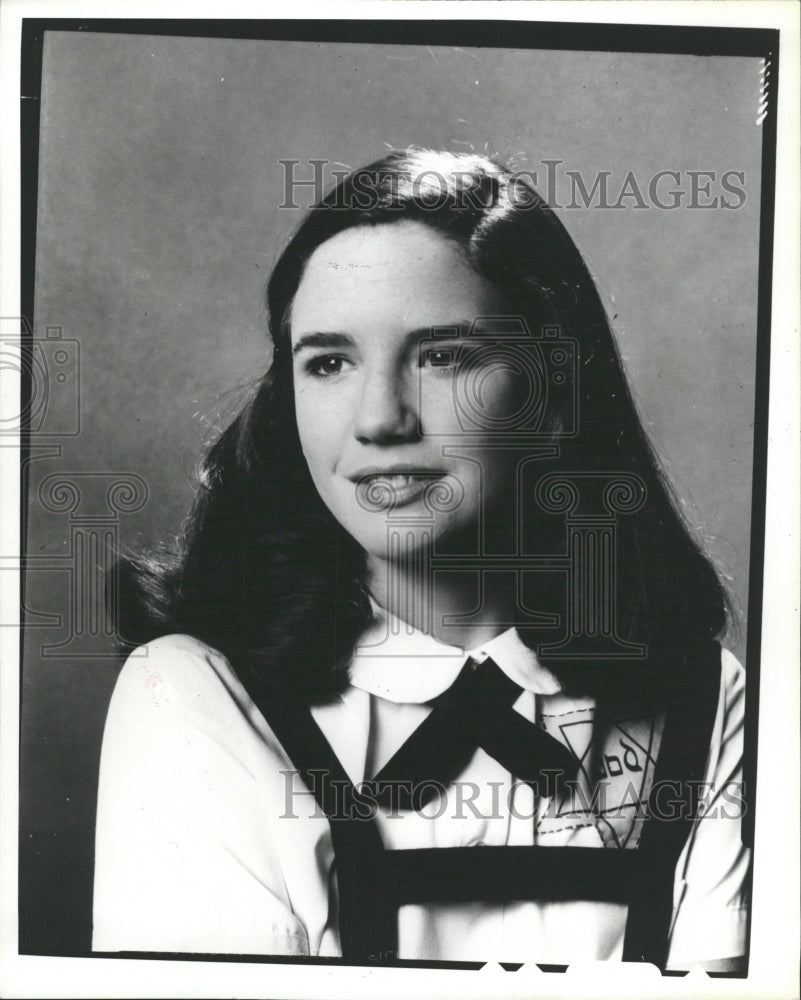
(454, 329)
(320, 339)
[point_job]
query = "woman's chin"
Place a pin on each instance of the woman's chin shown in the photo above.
(403, 544)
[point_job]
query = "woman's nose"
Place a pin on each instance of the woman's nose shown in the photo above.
(386, 410)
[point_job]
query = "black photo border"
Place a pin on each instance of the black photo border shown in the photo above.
(590, 37)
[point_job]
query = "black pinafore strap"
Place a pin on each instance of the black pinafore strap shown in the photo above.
(680, 766)
(374, 882)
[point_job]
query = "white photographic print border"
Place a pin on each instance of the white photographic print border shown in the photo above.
(774, 927)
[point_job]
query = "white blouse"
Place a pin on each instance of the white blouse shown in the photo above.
(208, 841)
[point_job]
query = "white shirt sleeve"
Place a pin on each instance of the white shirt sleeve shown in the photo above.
(194, 852)
(710, 899)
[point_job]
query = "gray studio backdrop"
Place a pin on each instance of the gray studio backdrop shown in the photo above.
(159, 218)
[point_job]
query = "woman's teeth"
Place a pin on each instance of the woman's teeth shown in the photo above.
(399, 481)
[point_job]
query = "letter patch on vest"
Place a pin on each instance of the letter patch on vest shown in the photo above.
(615, 775)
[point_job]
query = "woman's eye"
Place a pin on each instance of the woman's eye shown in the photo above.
(450, 359)
(326, 365)
(444, 357)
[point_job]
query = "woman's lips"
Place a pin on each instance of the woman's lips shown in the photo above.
(385, 491)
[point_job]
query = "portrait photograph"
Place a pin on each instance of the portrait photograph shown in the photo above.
(400, 501)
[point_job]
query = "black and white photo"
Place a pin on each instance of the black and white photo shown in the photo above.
(394, 465)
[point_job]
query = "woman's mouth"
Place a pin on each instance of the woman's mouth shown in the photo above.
(388, 490)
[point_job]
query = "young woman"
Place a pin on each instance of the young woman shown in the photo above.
(435, 672)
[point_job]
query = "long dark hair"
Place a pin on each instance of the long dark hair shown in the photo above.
(264, 573)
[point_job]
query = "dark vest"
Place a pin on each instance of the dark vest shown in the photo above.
(374, 882)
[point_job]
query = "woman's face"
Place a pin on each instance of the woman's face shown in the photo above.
(378, 410)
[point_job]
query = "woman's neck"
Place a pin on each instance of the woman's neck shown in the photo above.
(428, 601)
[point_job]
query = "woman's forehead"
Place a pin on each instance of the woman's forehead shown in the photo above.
(384, 273)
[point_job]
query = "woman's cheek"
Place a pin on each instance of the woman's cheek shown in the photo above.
(439, 412)
(467, 403)
(310, 428)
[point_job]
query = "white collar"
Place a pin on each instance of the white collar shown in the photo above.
(398, 662)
